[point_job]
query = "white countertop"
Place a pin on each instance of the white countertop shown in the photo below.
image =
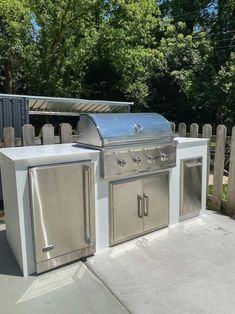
(63, 150)
(42, 151)
(190, 141)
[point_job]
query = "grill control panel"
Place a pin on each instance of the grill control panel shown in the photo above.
(121, 162)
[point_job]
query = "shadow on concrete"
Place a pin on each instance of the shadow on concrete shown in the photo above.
(8, 265)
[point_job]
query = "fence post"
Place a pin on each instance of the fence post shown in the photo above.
(48, 134)
(194, 130)
(8, 137)
(182, 130)
(221, 131)
(28, 135)
(65, 133)
(207, 133)
(230, 208)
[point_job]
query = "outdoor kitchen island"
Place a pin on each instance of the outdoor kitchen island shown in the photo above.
(26, 172)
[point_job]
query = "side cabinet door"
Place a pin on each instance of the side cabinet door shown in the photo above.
(62, 219)
(126, 210)
(191, 184)
(156, 201)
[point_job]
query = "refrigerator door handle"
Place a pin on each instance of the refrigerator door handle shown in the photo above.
(87, 203)
(193, 164)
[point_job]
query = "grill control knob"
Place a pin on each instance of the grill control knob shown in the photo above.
(137, 160)
(121, 162)
(151, 158)
(164, 157)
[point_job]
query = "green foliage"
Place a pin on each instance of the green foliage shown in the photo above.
(15, 41)
(225, 91)
(224, 194)
(174, 57)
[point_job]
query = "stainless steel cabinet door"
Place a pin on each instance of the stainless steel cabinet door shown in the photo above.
(191, 186)
(126, 203)
(63, 216)
(156, 201)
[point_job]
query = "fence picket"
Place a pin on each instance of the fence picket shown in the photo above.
(182, 129)
(231, 178)
(207, 133)
(65, 133)
(221, 132)
(28, 135)
(48, 134)
(8, 137)
(194, 130)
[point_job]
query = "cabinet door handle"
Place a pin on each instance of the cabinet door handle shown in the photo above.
(140, 206)
(146, 205)
(87, 202)
(193, 164)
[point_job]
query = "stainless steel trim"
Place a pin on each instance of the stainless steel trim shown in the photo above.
(140, 206)
(64, 259)
(189, 215)
(121, 142)
(113, 243)
(87, 205)
(146, 204)
(54, 113)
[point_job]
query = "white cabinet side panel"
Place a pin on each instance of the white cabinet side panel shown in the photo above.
(25, 222)
(102, 210)
(11, 209)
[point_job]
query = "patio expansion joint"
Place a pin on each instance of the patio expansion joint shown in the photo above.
(85, 261)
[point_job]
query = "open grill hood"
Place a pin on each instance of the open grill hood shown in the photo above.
(103, 130)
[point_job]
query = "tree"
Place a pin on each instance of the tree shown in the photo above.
(125, 51)
(16, 34)
(67, 31)
(225, 87)
(175, 57)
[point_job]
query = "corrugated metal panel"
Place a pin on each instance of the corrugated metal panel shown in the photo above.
(13, 113)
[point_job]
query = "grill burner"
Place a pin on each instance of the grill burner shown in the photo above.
(130, 143)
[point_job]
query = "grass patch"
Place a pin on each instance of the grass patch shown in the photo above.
(224, 194)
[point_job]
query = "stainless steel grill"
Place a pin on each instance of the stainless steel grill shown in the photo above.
(130, 143)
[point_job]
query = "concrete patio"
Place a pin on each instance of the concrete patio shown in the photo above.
(71, 289)
(188, 268)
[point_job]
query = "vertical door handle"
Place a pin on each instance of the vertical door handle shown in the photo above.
(146, 205)
(87, 203)
(140, 206)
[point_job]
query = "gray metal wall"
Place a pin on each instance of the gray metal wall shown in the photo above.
(13, 112)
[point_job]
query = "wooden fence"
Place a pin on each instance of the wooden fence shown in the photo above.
(218, 143)
(47, 136)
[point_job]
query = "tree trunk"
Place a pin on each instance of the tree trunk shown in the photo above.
(8, 79)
